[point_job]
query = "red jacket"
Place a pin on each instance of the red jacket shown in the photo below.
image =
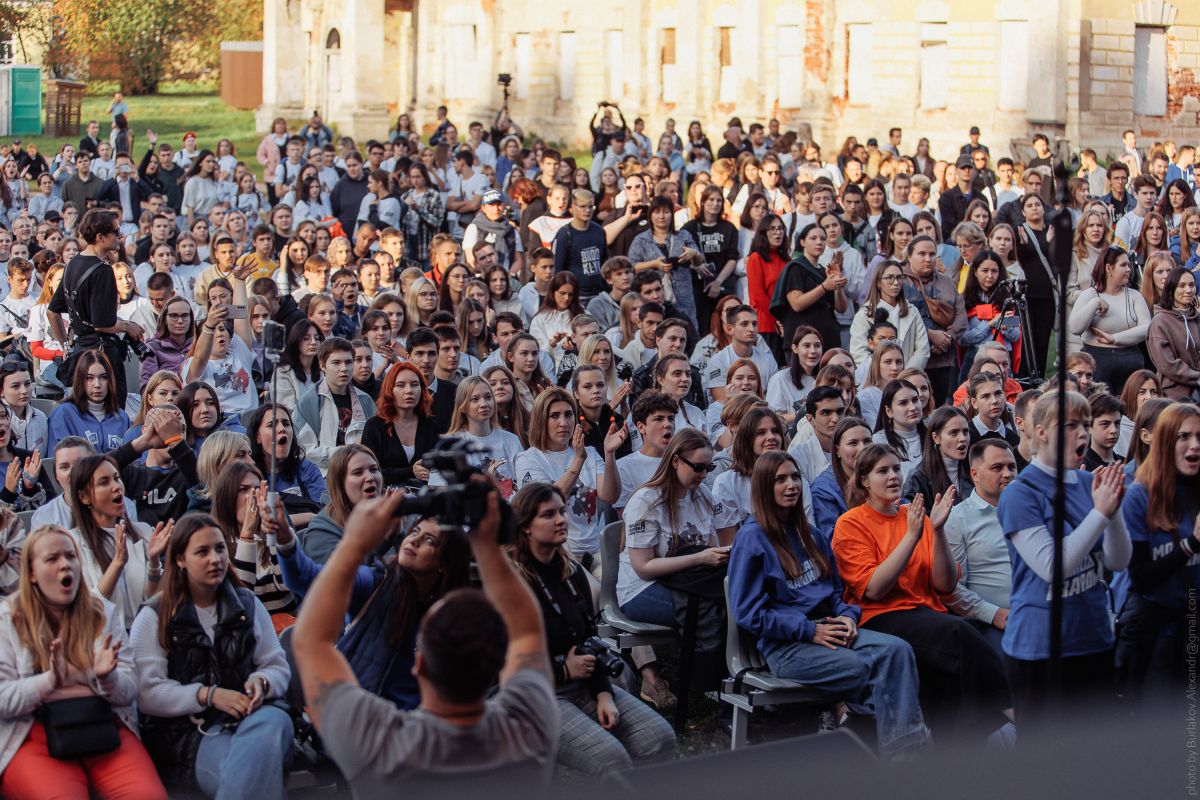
(761, 277)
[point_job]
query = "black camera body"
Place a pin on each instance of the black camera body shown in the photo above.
(1016, 288)
(139, 348)
(607, 661)
(504, 79)
(273, 337)
(462, 503)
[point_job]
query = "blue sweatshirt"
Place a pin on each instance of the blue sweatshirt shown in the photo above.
(1172, 591)
(769, 605)
(104, 434)
(828, 504)
(307, 483)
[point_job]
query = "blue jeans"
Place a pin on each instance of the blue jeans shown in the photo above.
(654, 604)
(878, 671)
(248, 762)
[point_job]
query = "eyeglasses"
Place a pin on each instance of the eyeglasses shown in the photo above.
(892, 278)
(770, 172)
(179, 317)
(776, 229)
(698, 467)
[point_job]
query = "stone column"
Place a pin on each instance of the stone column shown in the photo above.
(283, 63)
(363, 111)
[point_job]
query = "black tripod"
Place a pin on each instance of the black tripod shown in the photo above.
(1015, 301)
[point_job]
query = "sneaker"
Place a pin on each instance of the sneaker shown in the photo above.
(657, 693)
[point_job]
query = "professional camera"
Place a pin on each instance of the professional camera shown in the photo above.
(462, 502)
(607, 661)
(139, 348)
(504, 79)
(1016, 287)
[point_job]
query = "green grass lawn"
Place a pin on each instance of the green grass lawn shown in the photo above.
(177, 108)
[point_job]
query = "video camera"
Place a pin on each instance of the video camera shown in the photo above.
(462, 503)
(1016, 288)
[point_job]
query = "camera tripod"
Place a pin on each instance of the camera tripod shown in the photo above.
(1015, 301)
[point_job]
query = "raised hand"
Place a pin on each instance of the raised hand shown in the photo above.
(941, 508)
(159, 541)
(615, 437)
(106, 660)
(916, 516)
(32, 465)
(120, 552)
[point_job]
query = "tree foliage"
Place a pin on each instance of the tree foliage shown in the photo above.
(138, 43)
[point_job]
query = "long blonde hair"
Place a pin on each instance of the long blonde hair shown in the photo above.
(82, 620)
(462, 398)
(588, 349)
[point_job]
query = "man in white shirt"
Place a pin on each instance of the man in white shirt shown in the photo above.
(1006, 188)
(485, 154)
(466, 188)
(741, 326)
(1129, 227)
(103, 165)
(977, 541)
(825, 406)
(654, 419)
(289, 168)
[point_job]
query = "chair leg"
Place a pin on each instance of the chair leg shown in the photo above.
(738, 728)
(686, 660)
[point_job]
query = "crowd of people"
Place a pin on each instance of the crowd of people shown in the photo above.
(818, 378)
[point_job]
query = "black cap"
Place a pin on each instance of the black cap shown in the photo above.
(872, 142)
(964, 161)
(974, 130)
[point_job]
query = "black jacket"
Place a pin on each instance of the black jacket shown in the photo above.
(443, 405)
(952, 206)
(345, 200)
(380, 437)
(226, 661)
(568, 615)
(643, 379)
(160, 494)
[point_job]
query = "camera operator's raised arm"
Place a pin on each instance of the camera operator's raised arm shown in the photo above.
(323, 614)
(512, 598)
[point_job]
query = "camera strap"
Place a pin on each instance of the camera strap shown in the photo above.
(541, 586)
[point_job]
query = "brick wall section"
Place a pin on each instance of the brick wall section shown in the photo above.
(1183, 61)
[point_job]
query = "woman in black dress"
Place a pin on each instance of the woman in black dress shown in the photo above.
(809, 294)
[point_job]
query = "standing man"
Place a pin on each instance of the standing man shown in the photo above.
(580, 246)
(973, 143)
(952, 205)
(83, 187)
(1044, 158)
(1129, 140)
(1119, 201)
(88, 293)
(484, 152)
(1091, 171)
(466, 188)
(893, 145)
(123, 190)
(91, 140)
(1129, 227)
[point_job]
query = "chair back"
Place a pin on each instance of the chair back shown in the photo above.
(610, 559)
(740, 653)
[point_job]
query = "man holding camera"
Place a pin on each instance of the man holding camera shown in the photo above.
(88, 293)
(465, 640)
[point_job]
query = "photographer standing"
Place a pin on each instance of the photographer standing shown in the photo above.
(465, 641)
(88, 293)
(604, 727)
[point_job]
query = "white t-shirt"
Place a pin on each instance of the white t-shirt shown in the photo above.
(718, 366)
(699, 516)
(11, 311)
(782, 394)
(232, 379)
(732, 489)
(499, 445)
(635, 469)
(688, 416)
(459, 189)
(583, 515)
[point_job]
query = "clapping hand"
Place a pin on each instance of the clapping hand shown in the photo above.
(1108, 487)
(916, 516)
(106, 660)
(941, 508)
(615, 437)
(159, 541)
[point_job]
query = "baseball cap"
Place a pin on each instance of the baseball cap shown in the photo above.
(974, 130)
(492, 196)
(872, 142)
(964, 161)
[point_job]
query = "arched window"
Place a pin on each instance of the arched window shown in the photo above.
(334, 40)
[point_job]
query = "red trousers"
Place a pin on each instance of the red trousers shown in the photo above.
(126, 773)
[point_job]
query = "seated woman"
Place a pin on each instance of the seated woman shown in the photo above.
(201, 407)
(900, 424)
(557, 454)
(589, 386)
(944, 458)
(21, 491)
(387, 601)
(896, 562)
(121, 558)
(674, 525)
(402, 431)
(298, 369)
(172, 340)
(299, 481)
(742, 377)
(673, 377)
(94, 410)
(760, 430)
(831, 488)
(1141, 386)
(29, 427)
(603, 726)
(161, 483)
(1173, 334)
(1160, 511)
(353, 476)
(1095, 540)
(784, 590)
(63, 646)
(161, 388)
(474, 418)
(523, 361)
(215, 362)
(787, 388)
(236, 497)
(218, 451)
(512, 415)
(210, 674)
(887, 362)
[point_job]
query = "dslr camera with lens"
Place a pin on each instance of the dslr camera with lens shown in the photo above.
(607, 661)
(462, 503)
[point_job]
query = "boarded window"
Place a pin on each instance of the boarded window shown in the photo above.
(566, 65)
(459, 60)
(524, 65)
(1150, 71)
(1012, 65)
(859, 57)
(614, 85)
(669, 76)
(790, 61)
(935, 66)
(727, 76)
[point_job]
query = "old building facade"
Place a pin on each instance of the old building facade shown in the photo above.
(1083, 70)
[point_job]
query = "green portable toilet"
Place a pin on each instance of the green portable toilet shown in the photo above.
(25, 100)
